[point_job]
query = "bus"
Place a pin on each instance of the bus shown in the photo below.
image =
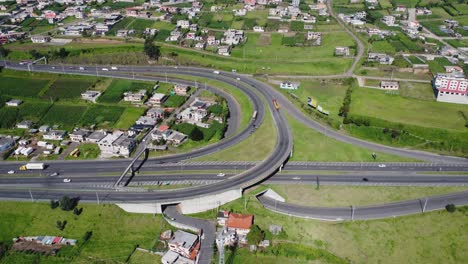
(75, 153)
(254, 116)
(275, 103)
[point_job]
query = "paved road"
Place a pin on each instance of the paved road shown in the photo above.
(207, 227)
(398, 178)
(366, 212)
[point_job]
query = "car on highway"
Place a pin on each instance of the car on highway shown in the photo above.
(296, 178)
(234, 70)
(11, 172)
(238, 78)
(216, 72)
(53, 67)
(105, 69)
(54, 174)
(67, 180)
(365, 179)
(114, 68)
(221, 174)
(81, 68)
(382, 165)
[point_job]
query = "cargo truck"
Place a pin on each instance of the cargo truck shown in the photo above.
(33, 166)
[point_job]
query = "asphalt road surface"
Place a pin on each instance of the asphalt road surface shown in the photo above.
(366, 212)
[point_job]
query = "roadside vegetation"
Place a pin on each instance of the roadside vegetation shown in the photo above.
(106, 222)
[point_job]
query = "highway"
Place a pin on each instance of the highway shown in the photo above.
(350, 178)
(395, 209)
(248, 178)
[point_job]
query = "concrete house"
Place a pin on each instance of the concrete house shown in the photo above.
(40, 39)
(181, 89)
(240, 223)
(117, 144)
(341, 51)
(6, 142)
(14, 102)
(79, 135)
(184, 244)
(24, 124)
(389, 85)
(55, 135)
(157, 99)
(135, 97)
(176, 138)
(90, 96)
(381, 58)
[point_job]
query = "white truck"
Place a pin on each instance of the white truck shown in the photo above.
(33, 166)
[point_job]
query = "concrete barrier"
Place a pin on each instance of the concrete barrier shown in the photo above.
(187, 206)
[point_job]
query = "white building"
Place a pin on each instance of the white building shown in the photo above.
(117, 144)
(90, 96)
(389, 85)
(451, 88)
(40, 39)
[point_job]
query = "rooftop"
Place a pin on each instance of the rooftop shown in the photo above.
(184, 239)
(242, 221)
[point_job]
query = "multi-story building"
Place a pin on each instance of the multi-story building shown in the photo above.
(185, 244)
(451, 88)
(117, 144)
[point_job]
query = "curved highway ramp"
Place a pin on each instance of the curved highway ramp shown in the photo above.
(401, 208)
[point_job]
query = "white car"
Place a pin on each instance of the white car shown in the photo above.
(296, 178)
(81, 68)
(216, 72)
(105, 69)
(66, 180)
(238, 78)
(114, 68)
(382, 165)
(11, 172)
(221, 174)
(234, 70)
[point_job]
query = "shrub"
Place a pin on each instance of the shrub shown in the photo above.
(68, 204)
(54, 204)
(256, 235)
(87, 235)
(451, 208)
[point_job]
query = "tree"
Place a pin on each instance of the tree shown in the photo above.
(61, 225)
(256, 235)
(62, 53)
(68, 204)
(151, 50)
(196, 134)
(54, 204)
(87, 235)
(451, 208)
(3, 51)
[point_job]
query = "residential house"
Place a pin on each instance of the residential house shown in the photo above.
(135, 97)
(222, 217)
(184, 24)
(25, 124)
(224, 50)
(180, 89)
(117, 144)
(250, 2)
(389, 21)
(184, 244)
(381, 58)
(95, 136)
(200, 45)
(6, 142)
(240, 223)
(341, 51)
(289, 85)
(14, 102)
(54, 135)
(316, 37)
(155, 113)
(44, 129)
(157, 99)
(233, 37)
(176, 138)
(240, 12)
(258, 29)
(159, 134)
(146, 121)
(389, 85)
(90, 96)
(40, 39)
(171, 257)
(101, 29)
(79, 135)
(123, 33)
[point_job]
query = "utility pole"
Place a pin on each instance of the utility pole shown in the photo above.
(166, 76)
(30, 193)
(318, 183)
(425, 205)
(352, 212)
(97, 197)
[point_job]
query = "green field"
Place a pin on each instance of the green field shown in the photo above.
(379, 104)
(310, 145)
(115, 232)
(66, 115)
(140, 257)
(33, 110)
(437, 237)
(341, 196)
(174, 101)
(128, 117)
(114, 93)
(87, 151)
(103, 116)
(68, 88)
(264, 140)
(21, 87)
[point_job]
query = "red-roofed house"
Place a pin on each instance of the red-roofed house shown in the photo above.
(163, 128)
(250, 2)
(240, 223)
